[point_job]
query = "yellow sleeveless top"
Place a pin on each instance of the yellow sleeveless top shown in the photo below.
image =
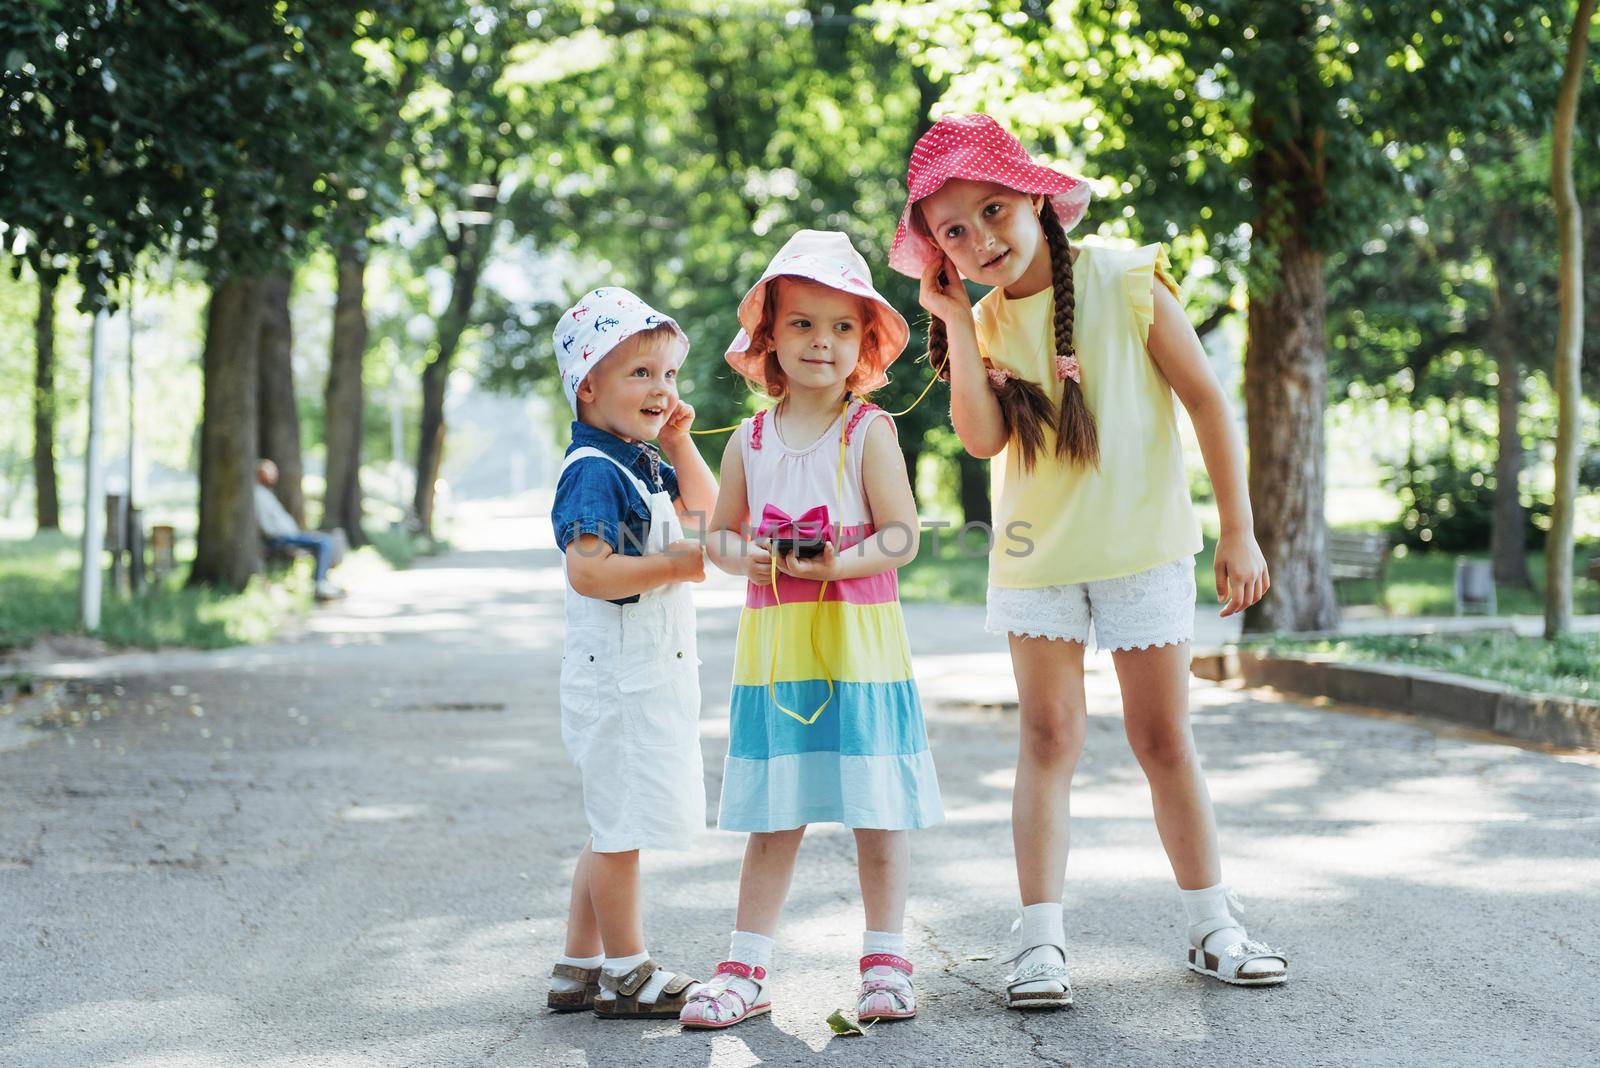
(1063, 523)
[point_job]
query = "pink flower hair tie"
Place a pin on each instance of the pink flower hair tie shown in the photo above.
(999, 376)
(1067, 367)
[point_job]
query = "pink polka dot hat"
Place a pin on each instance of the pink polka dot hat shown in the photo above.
(976, 148)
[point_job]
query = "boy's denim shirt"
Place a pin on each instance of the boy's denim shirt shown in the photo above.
(593, 497)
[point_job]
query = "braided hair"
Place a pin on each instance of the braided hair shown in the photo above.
(1025, 407)
(1077, 438)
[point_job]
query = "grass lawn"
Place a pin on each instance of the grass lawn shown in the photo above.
(1568, 666)
(39, 597)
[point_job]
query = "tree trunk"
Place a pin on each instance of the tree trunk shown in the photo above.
(1569, 339)
(471, 251)
(1508, 539)
(975, 505)
(228, 541)
(47, 501)
(280, 409)
(430, 442)
(344, 398)
(912, 453)
(1285, 389)
(1286, 370)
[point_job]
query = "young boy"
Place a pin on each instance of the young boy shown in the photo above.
(630, 685)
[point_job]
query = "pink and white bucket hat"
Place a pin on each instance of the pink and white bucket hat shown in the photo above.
(827, 258)
(601, 320)
(979, 149)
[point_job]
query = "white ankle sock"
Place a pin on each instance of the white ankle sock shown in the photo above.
(1211, 903)
(559, 983)
(1043, 929)
(892, 942)
(748, 947)
(1044, 924)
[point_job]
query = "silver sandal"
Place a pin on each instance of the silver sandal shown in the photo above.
(1234, 956)
(1038, 972)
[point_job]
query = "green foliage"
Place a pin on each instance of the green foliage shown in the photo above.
(39, 597)
(1216, 116)
(1569, 665)
(201, 127)
(1449, 507)
(690, 147)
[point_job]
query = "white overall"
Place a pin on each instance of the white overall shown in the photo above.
(630, 702)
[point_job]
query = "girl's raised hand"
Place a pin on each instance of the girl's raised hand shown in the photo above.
(760, 562)
(947, 300)
(1241, 573)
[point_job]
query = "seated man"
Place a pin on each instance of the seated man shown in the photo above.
(282, 532)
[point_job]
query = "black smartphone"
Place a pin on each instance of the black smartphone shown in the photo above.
(805, 548)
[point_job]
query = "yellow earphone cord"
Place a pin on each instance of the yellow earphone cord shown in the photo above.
(777, 634)
(893, 415)
(777, 630)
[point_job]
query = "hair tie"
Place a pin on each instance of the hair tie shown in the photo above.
(999, 376)
(1067, 367)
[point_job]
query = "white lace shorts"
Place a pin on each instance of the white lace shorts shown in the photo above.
(1154, 607)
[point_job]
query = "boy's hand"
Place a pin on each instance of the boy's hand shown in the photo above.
(1241, 573)
(689, 560)
(819, 568)
(680, 417)
(759, 559)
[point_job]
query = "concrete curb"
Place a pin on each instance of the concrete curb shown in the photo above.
(1569, 722)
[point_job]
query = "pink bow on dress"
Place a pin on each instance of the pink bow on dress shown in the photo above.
(776, 523)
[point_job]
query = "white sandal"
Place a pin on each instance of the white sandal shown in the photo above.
(1038, 972)
(893, 997)
(707, 1011)
(1235, 955)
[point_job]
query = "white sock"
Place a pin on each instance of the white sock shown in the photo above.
(893, 942)
(1044, 930)
(559, 983)
(748, 947)
(1211, 903)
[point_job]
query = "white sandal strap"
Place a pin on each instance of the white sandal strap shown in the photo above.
(1235, 955)
(1038, 972)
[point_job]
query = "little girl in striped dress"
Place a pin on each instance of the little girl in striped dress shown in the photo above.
(825, 721)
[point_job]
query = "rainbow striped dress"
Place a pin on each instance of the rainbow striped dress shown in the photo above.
(864, 761)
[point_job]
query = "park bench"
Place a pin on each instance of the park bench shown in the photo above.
(278, 558)
(1359, 558)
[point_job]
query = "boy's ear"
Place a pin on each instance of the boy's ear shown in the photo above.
(586, 389)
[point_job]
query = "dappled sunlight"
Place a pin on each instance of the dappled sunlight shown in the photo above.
(439, 962)
(475, 764)
(400, 834)
(1000, 779)
(380, 813)
(997, 811)
(1262, 776)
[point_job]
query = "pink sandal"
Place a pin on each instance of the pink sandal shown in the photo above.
(892, 997)
(707, 1010)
